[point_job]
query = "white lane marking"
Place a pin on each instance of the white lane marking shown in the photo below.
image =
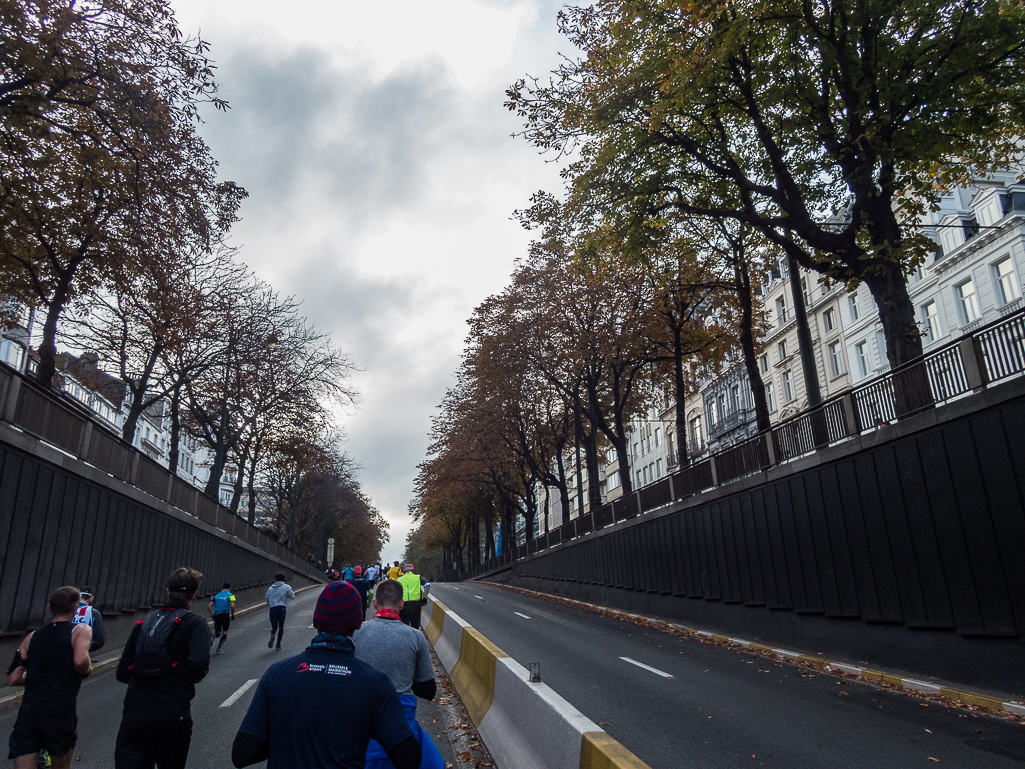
(454, 587)
(521, 615)
(238, 695)
(656, 671)
(477, 596)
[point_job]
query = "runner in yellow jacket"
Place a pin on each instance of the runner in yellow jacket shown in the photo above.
(412, 595)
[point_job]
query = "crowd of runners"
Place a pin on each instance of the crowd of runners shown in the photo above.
(348, 700)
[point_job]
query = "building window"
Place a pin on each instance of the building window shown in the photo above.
(735, 398)
(784, 269)
(804, 290)
(721, 406)
(1007, 282)
(970, 225)
(781, 348)
(658, 431)
(770, 398)
(788, 387)
(696, 439)
(968, 302)
(836, 359)
(931, 320)
(855, 310)
(613, 480)
(861, 355)
(829, 320)
(764, 363)
(658, 468)
(781, 311)
(1013, 202)
(713, 417)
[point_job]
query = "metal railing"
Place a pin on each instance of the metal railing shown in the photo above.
(65, 424)
(987, 355)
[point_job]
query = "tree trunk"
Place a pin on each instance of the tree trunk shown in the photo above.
(580, 475)
(48, 344)
(563, 487)
(591, 457)
(213, 485)
(903, 340)
(680, 393)
(622, 447)
(489, 532)
(253, 460)
(804, 343)
(173, 451)
(529, 509)
(138, 391)
(546, 508)
(742, 280)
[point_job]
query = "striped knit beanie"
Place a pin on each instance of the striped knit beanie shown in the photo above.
(339, 609)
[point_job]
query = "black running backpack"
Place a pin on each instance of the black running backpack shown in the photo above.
(151, 657)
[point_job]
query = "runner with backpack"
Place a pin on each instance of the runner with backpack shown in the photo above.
(166, 655)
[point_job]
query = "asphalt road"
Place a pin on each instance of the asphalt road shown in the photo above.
(677, 702)
(245, 658)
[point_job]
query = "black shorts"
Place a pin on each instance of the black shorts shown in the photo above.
(222, 622)
(54, 735)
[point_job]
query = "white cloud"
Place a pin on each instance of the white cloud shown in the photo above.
(382, 176)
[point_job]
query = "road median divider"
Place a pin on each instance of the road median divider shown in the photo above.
(524, 724)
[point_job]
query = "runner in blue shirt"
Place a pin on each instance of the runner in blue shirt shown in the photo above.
(222, 609)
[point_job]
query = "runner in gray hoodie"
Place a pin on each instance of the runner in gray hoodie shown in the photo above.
(277, 594)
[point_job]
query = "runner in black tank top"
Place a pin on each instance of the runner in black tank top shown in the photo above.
(51, 670)
(53, 661)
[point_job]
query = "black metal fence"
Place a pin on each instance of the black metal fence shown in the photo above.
(987, 355)
(62, 423)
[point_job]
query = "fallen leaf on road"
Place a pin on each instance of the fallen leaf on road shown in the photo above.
(929, 731)
(842, 694)
(934, 759)
(603, 723)
(753, 756)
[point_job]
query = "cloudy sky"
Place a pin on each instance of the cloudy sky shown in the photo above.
(382, 175)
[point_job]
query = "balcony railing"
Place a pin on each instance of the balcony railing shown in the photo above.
(731, 420)
(987, 355)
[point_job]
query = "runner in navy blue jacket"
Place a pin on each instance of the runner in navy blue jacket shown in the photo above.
(321, 708)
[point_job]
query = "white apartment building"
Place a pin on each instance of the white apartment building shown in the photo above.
(975, 277)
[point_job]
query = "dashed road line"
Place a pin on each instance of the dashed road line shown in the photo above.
(521, 615)
(649, 668)
(964, 697)
(238, 694)
(477, 596)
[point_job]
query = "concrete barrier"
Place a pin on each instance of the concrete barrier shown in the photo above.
(524, 725)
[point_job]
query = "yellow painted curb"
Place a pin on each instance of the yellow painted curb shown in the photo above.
(437, 623)
(979, 700)
(760, 648)
(474, 673)
(815, 662)
(875, 675)
(598, 750)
